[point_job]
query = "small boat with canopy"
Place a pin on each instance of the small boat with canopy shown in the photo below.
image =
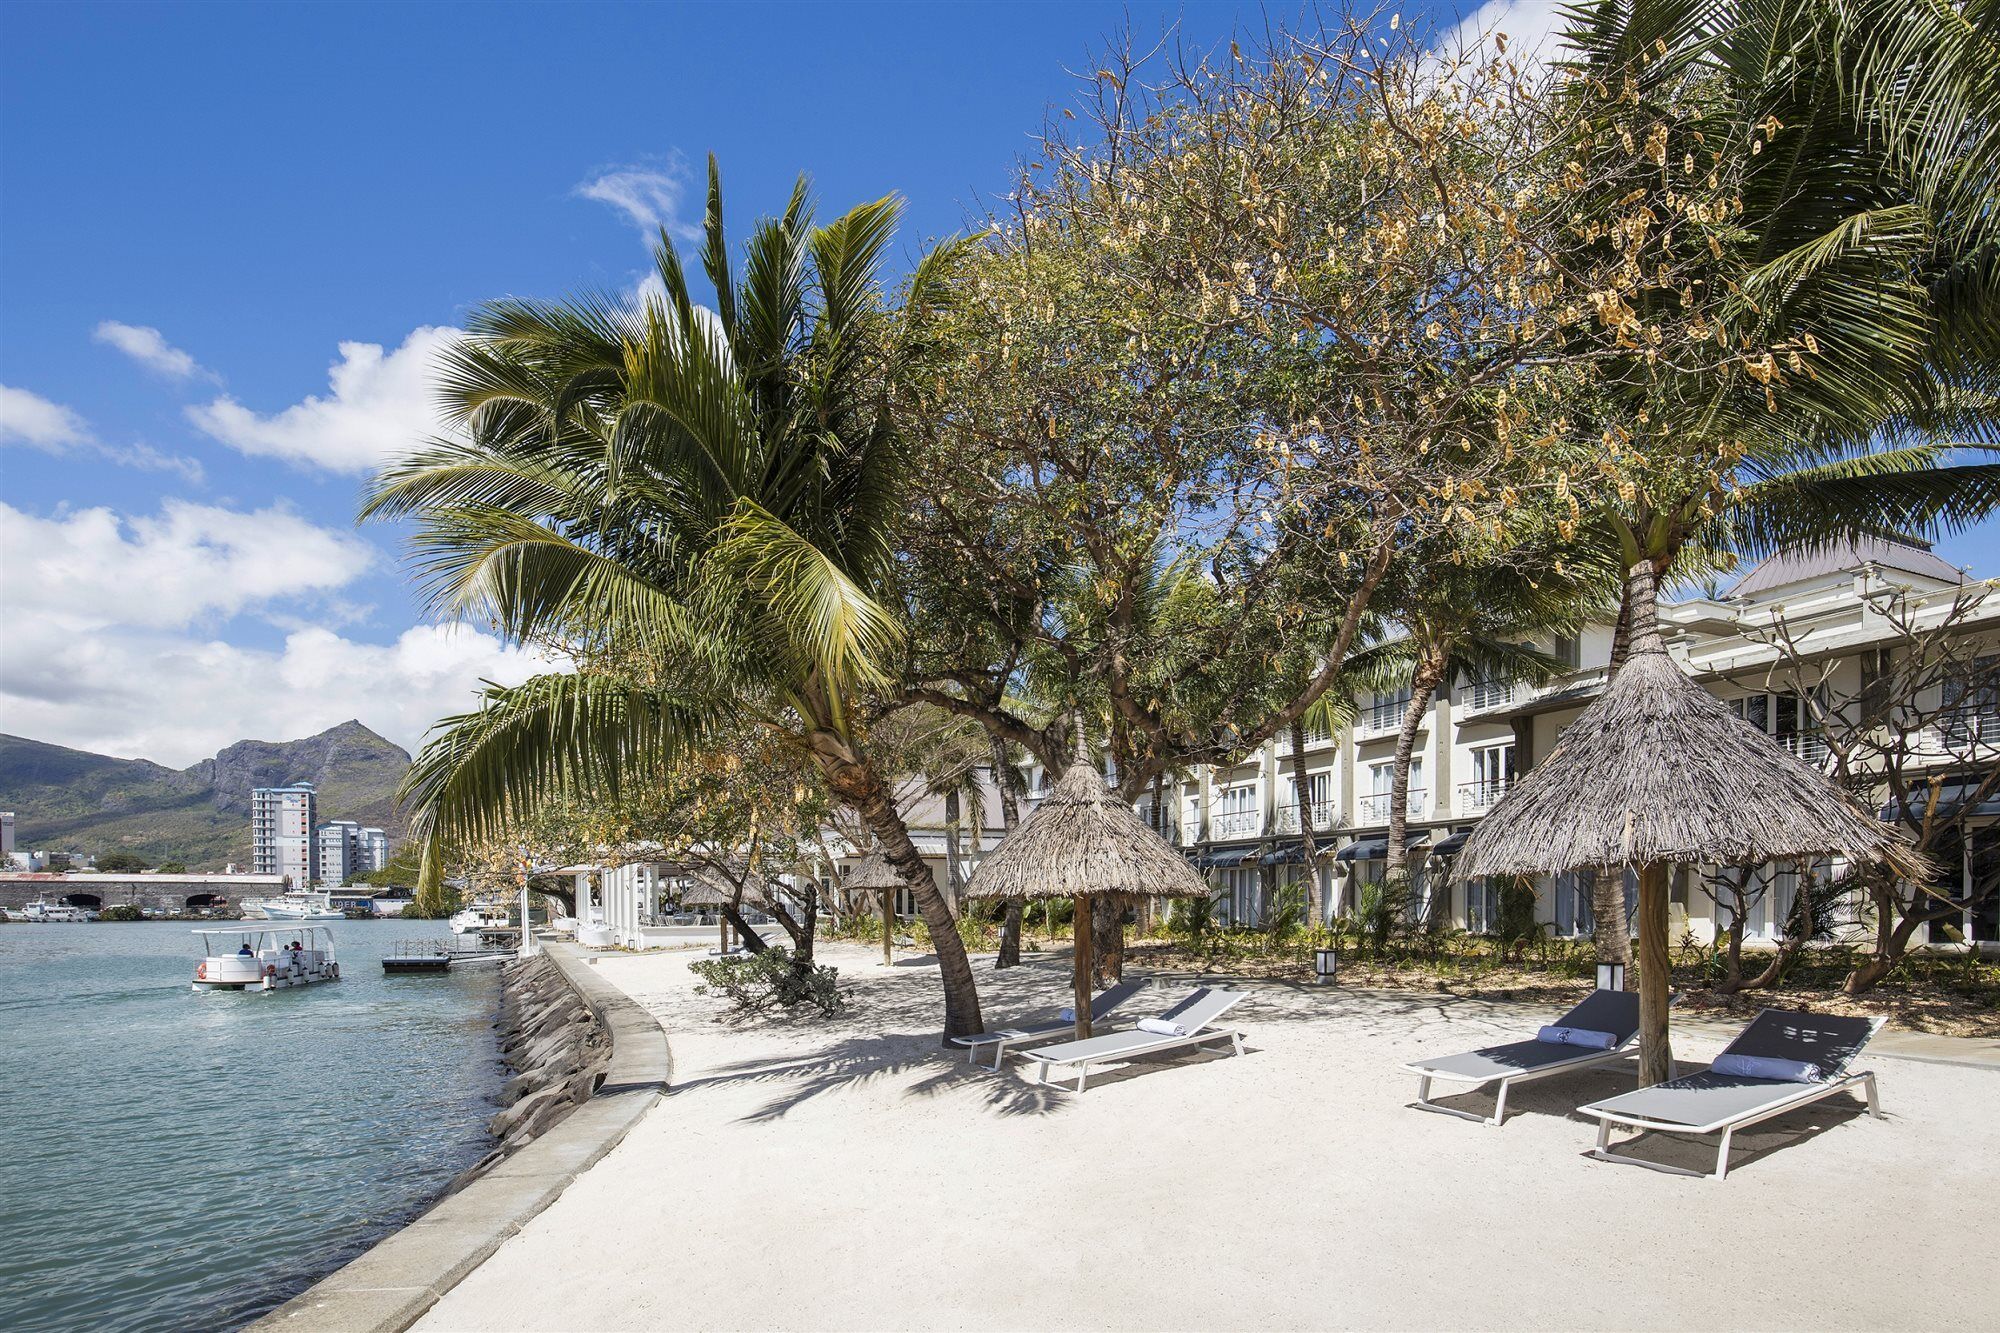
(252, 957)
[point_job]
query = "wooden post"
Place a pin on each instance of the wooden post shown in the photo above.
(1656, 1052)
(721, 934)
(888, 927)
(1082, 961)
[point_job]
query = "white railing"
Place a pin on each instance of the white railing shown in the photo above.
(1236, 824)
(1475, 797)
(1807, 747)
(1481, 695)
(1385, 716)
(1286, 818)
(1374, 807)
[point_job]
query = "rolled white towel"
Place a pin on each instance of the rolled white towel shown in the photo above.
(1162, 1027)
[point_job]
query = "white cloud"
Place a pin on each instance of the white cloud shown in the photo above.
(98, 570)
(649, 197)
(105, 651)
(149, 348)
(30, 419)
(380, 404)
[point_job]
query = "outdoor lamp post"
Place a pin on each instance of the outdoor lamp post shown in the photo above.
(1326, 965)
(1611, 976)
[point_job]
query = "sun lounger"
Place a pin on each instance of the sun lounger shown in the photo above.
(1001, 1039)
(1189, 1023)
(1596, 1032)
(1782, 1061)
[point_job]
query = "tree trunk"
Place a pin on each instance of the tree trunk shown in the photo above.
(1609, 929)
(732, 917)
(855, 782)
(888, 927)
(1107, 945)
(1080, 965)
(1308, 850)
(1423, 686)
(1010, 815)
(954, 873)
(1656, 1052)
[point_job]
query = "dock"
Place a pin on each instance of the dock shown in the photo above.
(435, 955)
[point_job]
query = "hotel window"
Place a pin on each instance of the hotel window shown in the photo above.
(1790, 719)
(1972, 703)
(1482, 905)
(1568, 650)
(1385, 711)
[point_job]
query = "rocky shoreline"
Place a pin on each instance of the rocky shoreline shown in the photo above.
(558, 1050)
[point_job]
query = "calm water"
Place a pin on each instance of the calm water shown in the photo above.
(184, 1161)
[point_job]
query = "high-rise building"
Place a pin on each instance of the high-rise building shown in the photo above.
(374, 850)
(6, 834)
(282, 837)
(339, 851)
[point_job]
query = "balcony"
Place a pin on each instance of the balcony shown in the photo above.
(1374, 807)
(1808, 747)
(1383, 718)
(1235, 824)
(1476, 798)
(1483, 696)
(1315, 740)
(1286, 818)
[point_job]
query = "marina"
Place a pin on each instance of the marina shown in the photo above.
(154, 1129)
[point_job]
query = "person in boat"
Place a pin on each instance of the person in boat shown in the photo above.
(245, 951)
(296, 946)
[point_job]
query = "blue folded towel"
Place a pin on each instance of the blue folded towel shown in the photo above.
(1763, 1066)
(1600, 1041)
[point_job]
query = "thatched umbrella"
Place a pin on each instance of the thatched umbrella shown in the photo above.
(1083, 841)
(875, 873)
(704, 894)
(1658, 772)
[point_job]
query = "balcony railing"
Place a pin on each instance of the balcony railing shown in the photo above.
(1482, 695)
(1286, 818)
(1235, 824)
(1374, 807)
(1478, 797)
(1385, 716)
(1808, 747)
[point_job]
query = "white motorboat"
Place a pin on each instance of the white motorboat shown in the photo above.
(265, 958)
(480, 920)
(43, 911)
(297, 905)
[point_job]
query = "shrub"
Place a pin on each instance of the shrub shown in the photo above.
(121, 912)
(768, 979)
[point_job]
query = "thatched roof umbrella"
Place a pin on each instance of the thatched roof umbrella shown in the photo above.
(1658, 772)
(875, 873)
(701, 893)
(1083, 841)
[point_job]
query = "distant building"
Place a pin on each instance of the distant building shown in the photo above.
(339, 851)
(374, 851)
(283, 832)
(6, 834)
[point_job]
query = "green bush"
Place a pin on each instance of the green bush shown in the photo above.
(763, 980)
(121, 912)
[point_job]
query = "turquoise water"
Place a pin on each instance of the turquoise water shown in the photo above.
(182, 1161)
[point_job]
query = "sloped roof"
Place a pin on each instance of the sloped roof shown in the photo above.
(1801, 565)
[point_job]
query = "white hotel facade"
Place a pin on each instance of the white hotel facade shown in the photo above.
(1241, 824)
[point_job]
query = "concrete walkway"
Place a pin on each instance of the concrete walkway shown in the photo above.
(851, 1176)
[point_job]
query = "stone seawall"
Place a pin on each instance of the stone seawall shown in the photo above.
(557, 1048)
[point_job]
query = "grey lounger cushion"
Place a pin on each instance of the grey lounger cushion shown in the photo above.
(1827, 1043)
(1615, 1012)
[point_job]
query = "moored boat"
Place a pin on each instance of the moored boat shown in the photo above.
(43, 911)
(298, 905)
(270, 958)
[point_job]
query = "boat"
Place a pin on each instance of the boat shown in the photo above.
(479, 920)
(298, 905)
(43, 911)
(265, 958)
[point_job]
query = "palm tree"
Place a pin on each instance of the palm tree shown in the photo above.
(700, 505)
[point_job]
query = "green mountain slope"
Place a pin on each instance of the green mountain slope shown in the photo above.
(70, 800)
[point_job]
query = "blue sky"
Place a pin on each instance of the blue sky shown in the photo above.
(208, 211)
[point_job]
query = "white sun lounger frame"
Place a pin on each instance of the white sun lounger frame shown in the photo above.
(1727, 1126)
(1473, 1082)
(1118, 1047)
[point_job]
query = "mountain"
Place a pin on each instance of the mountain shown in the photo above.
(71, 800)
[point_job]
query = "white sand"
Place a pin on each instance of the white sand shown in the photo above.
(852, 1176)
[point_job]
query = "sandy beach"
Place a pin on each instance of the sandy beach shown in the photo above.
(851, 1175)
